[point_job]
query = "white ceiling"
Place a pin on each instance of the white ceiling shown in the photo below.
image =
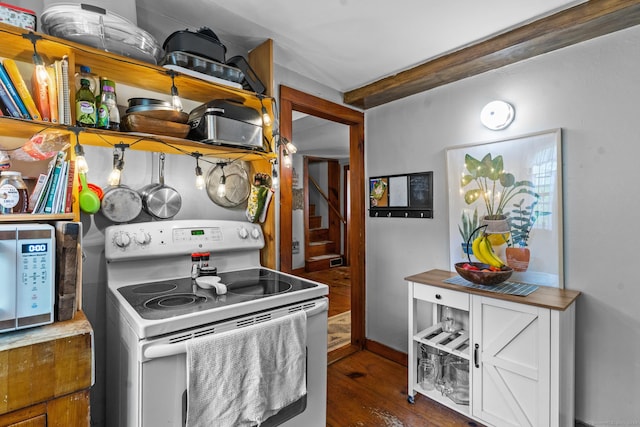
(345, 44)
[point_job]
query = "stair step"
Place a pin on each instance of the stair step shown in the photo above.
(323, 262)
(315, 222)
(318, 234)
(321, 248)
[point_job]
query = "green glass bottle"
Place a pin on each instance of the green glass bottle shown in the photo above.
(85, 105)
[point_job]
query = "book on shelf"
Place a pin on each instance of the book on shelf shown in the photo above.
(52, 91)
(8, 102)
(62, 84)
(68, 197)
(41, 95)
(10, 88)
(45, 199)
(21, 87)
(52, 194)
(37, 189)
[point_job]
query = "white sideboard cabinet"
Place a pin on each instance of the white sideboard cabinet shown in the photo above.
(519, 350)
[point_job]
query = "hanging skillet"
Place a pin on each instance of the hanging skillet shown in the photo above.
(120, 203)
(236, 183)
(159, 200)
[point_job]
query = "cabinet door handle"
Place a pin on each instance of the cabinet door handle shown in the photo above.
(438, 296)
(475, 355)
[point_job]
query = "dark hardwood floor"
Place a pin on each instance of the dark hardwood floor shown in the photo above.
(365, 389)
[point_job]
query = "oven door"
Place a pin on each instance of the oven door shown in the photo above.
(164, 381)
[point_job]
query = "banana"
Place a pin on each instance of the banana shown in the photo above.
(487, 252)
(475, 247)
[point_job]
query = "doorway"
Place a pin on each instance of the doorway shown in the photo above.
(293, 100)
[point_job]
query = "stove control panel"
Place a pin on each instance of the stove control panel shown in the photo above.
(179, 237)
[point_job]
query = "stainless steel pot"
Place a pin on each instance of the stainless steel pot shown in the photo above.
(159, 200)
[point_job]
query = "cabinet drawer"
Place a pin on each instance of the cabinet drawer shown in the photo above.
(441, 296)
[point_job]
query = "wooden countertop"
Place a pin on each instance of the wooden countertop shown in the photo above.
(544, 296)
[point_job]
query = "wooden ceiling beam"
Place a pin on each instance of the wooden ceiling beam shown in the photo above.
(574, 25)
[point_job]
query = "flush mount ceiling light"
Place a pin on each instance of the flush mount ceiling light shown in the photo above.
(497, 115)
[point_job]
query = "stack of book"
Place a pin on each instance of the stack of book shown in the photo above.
(52, 193)
(47, 98)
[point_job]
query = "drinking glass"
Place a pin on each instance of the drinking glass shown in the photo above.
(448, 322)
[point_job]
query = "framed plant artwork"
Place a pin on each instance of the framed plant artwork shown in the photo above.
(517, 180)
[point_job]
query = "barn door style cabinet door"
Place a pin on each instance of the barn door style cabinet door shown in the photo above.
(520, 350)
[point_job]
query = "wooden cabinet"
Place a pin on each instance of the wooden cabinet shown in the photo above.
(146, 77)
(46, 373)
(519, 350)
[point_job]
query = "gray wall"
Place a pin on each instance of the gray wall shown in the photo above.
(591, 91)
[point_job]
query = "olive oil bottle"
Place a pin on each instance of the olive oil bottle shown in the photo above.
(85, 105)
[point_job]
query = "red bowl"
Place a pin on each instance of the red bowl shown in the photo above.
(479, 277)
(99, 192)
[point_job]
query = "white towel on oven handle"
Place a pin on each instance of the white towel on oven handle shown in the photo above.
(242, 377)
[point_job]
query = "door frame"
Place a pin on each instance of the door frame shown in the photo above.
(290, 100)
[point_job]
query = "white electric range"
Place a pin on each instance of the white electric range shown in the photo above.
(154, 305)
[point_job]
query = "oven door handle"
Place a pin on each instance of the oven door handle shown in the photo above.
(164, 350)
(321, 305)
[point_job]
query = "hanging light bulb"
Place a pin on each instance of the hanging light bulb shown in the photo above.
(116, 172)
(266, 118)
(176, 102)
(199, 178)
(222, 186)
(41, 71)
(286, 159)
(81, 162)
(275, 181)
(290, 147)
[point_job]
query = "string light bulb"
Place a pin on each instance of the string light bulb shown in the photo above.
(290, 147)
(266, 118)
(176, 102)
(286, 159)
(118, 165)
(275, 181)
(81, 162)
(222, 186)
(199, 177)
(40, 70)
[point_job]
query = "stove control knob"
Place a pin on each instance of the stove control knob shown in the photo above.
(243, 233)
(142, 238)
(122, 239)
(255, 233)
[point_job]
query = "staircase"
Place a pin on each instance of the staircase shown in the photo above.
(321, 253)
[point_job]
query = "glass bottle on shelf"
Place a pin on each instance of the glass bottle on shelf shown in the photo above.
(85, 106)
(108, 114)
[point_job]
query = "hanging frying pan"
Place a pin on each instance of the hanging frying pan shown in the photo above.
(121, 203)
(236, 183)
(159, 200)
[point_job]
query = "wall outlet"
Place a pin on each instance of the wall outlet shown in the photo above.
(295, 247)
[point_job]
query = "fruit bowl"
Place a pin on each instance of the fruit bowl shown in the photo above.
(483, 276)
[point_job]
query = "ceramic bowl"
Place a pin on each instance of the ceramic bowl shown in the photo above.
(479, 277)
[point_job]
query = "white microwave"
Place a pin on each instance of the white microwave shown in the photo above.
(27, 285)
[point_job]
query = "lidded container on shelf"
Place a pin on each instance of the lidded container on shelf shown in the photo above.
(99, 28)
(14, 198)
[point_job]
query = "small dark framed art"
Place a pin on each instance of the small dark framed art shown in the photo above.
(401, 196)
